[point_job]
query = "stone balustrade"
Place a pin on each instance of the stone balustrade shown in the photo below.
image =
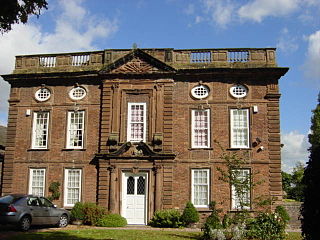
(184, 58)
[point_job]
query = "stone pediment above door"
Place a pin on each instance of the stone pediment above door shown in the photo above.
(140, 150)
(137, 62)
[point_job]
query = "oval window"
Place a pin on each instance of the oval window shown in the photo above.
(200, 92)
(42, 94)
(238, 91)
(77, 93)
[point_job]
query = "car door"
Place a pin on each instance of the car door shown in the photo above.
(52, 215)
(35, 209)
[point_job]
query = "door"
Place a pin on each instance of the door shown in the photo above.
(134, 197)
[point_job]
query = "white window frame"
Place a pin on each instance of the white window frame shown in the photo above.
(233, 129)
(193, 128)
(32, 172)
(69, 130)
(71, 93)
(36, 134)
(129, 122)
(207, 184)
(234, 202)
(67, 188)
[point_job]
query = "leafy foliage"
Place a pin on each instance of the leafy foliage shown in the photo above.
(92, 213)
(212, 222)
(190, 214)
(292, 183)
(310, 209)
(282, 213)
(267, 226)
(16, 11)
(54, 189)
(112, 220)
(168, 218)
(77, 212)
(89, 213)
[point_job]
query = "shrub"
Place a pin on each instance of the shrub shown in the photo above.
(77, 212)
(283, 214)
(169, 218)
(212, 224)
(112, 220)
(190, 214)
(266, 226)
(92, 213)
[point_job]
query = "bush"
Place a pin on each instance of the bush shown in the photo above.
(266, 226)
(92, 213)
(283, 214)
(112, 220)
(212, 224)
(77, 212)
(190, 214)
(169, 218)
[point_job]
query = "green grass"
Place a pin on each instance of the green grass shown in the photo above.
(87, 234)
(108, 234)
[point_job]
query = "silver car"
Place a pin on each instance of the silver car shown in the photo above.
(26, 210)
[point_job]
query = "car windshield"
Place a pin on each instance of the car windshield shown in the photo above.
(9, 199)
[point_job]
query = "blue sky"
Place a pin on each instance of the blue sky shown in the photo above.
(292, 26)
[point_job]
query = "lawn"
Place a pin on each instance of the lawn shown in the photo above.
(106, 234)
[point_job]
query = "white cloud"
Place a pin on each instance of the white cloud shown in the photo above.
(295, 150)
(312, 63)
(257, 10)
(75, 29)
(219, 11)
(286, 42)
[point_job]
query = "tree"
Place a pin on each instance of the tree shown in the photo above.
(16, 11)
(310, 209)
(292, 183)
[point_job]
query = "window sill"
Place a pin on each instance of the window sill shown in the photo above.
(203, 209)
(237, 149)
(238, 210)
(192, 149)
(37, 149)
(73, 149)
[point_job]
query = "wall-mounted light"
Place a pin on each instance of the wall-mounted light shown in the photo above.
(28, 112)
(255, 109)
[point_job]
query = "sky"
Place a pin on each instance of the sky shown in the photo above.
(292, 26)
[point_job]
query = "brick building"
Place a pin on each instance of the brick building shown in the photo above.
(136, 130)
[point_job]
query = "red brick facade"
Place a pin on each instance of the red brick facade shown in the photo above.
(162, 79)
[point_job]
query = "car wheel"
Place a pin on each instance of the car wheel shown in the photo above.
(25, 223)
(63, 221)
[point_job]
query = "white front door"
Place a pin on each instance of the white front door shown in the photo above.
(134, 197)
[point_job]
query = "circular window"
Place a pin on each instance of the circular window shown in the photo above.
(238, 91)
(200, 92)
(77, 93)
(43, 94)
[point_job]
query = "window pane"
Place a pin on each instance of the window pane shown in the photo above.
(240, 128)
(200, 187)
(130, 185)
(37, 180)
(141, 185)
(136, 122)
(73, 186)
(40, 129)
(200, 128)
(241, 189)
(75, 129)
